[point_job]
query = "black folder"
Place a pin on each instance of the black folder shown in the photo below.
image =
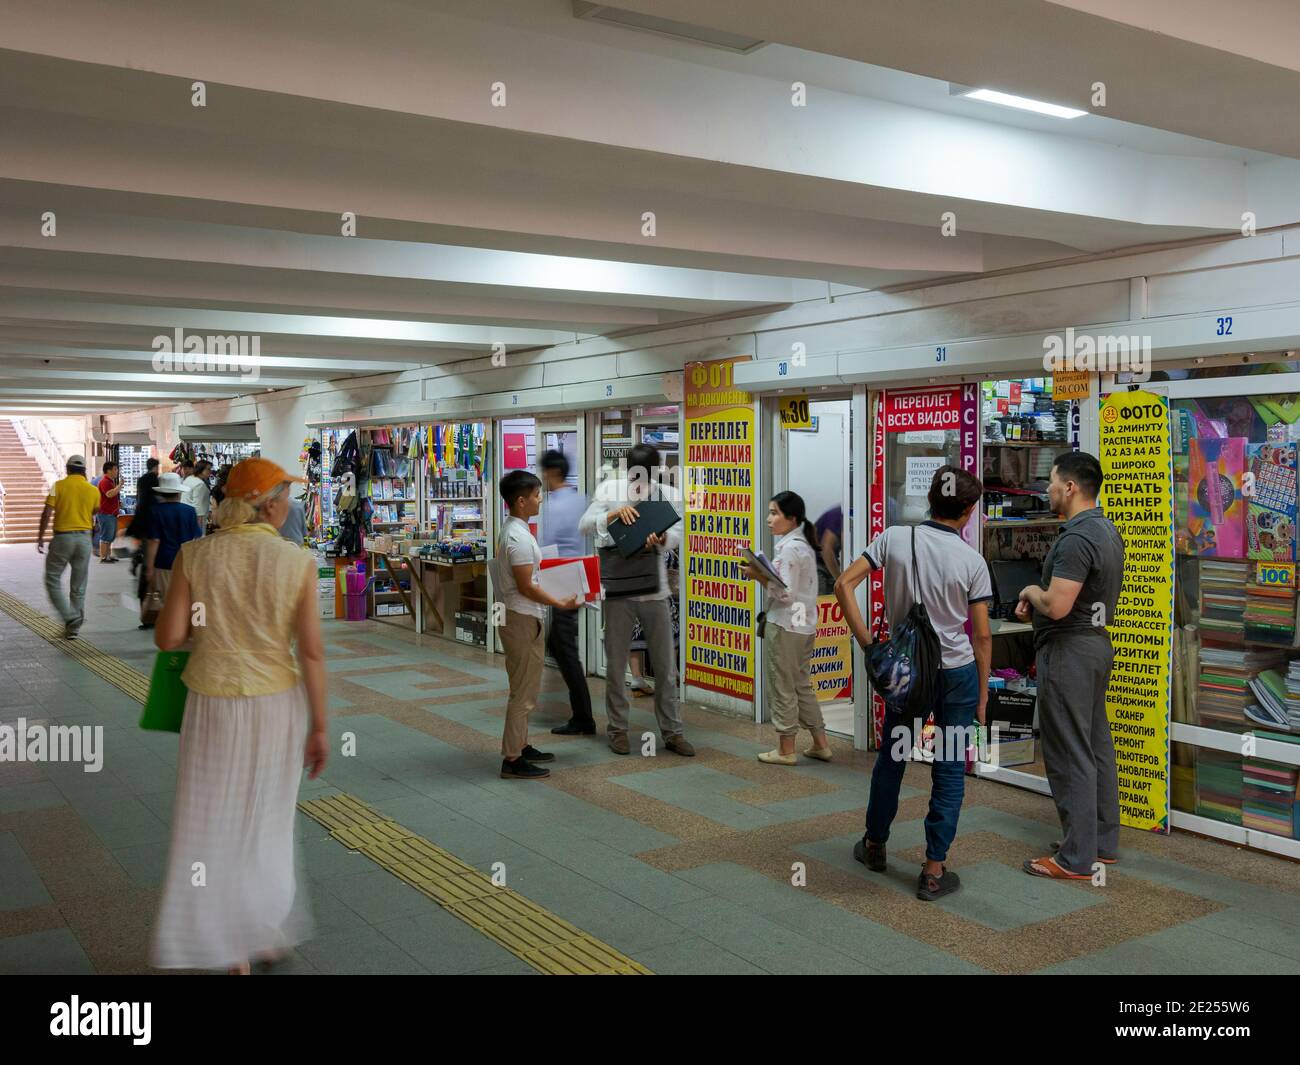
(654, 517)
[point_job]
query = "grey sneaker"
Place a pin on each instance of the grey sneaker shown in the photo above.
(929, 888)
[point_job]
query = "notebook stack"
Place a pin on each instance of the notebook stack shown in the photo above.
(1223, 599)
(1269, 706)
(1224, 684)
(1293, 694)
(1268, 796)
(1218, 786)
(1270, 615)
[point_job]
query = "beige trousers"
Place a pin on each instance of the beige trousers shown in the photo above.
(525, 647)
(789, 675)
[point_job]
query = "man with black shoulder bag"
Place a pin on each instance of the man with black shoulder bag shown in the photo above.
(936, 581)
(636, 589)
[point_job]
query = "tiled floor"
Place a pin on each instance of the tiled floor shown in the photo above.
(709, 865)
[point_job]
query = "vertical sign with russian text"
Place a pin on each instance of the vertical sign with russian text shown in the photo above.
(718, 461)
(1138, 496)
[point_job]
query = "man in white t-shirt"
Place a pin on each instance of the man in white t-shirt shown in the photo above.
(519, 589)
(955, 589)
(195, 492)
(615, 499)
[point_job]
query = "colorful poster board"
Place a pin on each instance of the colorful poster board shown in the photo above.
(1217, 515)
(1138, 496)
(719, 465)
(1270, 491)
(832, 657)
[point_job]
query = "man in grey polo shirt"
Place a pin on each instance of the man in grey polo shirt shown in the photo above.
(1082, 577)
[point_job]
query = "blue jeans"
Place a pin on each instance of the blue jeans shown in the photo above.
(958, 699)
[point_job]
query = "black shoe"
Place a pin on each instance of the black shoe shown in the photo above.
(532, 754)
(570, 728)
(520, 769)
(872, 855)
(929, 888)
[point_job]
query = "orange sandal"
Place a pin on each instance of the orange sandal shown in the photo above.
(1047, 867)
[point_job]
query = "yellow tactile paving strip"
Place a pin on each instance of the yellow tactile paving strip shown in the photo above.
(546, 942)
(100, 663)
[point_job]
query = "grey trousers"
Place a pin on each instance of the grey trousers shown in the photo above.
(1078, 753)
(656, 620)
(68, 549)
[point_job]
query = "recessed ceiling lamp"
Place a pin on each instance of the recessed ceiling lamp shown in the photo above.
(1023, 103)
(664, 27)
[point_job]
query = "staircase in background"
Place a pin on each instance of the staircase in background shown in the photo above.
(24, 489)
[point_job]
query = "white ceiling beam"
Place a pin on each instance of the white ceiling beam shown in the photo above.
(308, 368)
(503, 274)
(166, 319)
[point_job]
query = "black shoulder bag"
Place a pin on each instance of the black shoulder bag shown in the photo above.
(904, 669)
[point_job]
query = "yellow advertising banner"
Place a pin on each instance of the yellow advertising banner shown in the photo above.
(718, 462)
(832, 657)
(1138, 496)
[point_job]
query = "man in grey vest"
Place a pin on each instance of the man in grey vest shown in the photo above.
(1082, 577)
(644, 599)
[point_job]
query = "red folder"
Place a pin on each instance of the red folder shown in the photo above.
(592, 565)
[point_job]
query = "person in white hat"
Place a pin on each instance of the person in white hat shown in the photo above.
(171, 523)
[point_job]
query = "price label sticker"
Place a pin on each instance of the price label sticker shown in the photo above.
(795, 413)
(1275, 574)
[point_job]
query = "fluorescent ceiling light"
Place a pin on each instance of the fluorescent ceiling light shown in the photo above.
(1024, 103)
(662, 27)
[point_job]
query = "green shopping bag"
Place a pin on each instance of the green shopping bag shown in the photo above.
(165, 705)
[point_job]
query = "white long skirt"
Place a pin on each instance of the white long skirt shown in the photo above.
(231, 893)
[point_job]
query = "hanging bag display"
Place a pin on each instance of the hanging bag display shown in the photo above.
(905, 668)
(348, 457)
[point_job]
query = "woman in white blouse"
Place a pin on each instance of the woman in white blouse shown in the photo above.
(791, 630)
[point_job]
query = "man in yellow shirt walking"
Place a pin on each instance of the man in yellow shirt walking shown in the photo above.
(73, 503)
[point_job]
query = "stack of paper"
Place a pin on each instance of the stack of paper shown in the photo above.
(1270, 614)
(1218, 785)
(1224, 684)
(1268, 796)
(1223, 599)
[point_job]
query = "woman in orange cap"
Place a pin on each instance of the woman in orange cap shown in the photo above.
(243, 598)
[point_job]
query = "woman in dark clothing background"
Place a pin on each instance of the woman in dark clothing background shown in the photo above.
(219, 489)
(139, 527)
